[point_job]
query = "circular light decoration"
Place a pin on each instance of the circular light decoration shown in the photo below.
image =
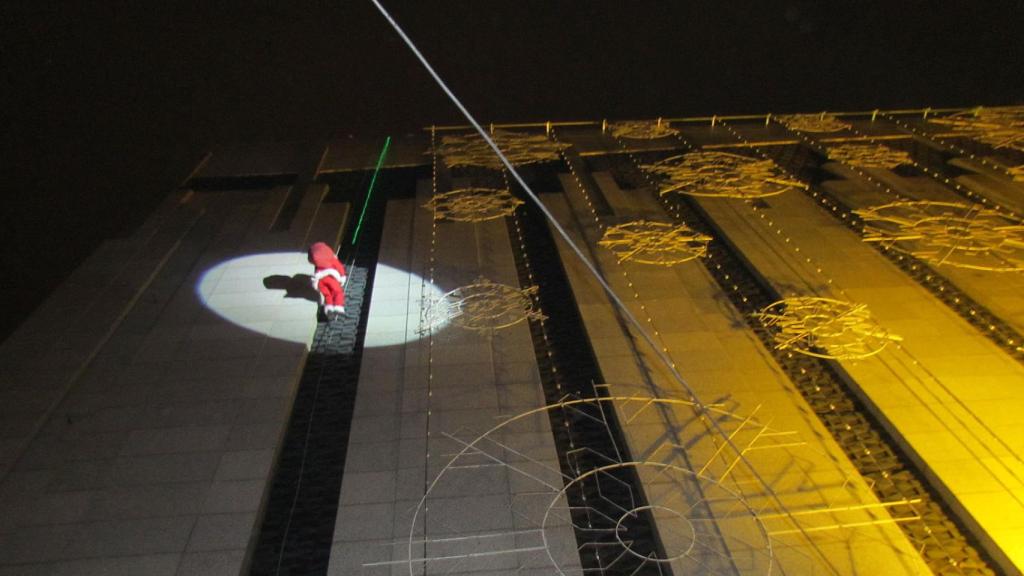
(999, 126)
(825, 328)
(684, 525)
(813, 122)
(868, 155)
(654, 242)
(721, 174)
(948, 234)
(641, 129)
(473, 204)
(483, 306)
(589, 511)
(271, 294)
(467, 150)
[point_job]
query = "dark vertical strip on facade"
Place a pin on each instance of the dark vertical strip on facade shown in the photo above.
(297, 528)
(571, 369)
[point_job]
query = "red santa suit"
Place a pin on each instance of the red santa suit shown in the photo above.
(328, 278)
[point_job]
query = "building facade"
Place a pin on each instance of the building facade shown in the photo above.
(724, 345)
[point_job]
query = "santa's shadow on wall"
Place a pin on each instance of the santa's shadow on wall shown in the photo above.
(297, 286)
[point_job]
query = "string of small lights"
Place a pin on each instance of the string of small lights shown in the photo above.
(425, 308)
(540, 319)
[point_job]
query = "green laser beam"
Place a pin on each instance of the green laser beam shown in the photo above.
(369, 191)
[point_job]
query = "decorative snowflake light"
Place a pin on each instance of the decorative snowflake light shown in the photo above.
(721, 174)
(868, 155)
(687, 505)
(519, 147)
(948, 233)
(654, 242)
(999, 127)
(813, 122)
(641, 130)
(589, 508)
(825, 328)
(484, 306)
(473, 204)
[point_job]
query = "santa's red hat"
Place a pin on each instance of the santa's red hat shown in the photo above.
(322, 256)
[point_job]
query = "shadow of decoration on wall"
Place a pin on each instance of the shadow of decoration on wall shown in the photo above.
(295, 286)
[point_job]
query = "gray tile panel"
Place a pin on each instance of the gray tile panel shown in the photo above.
(51, 350)
(157, 459)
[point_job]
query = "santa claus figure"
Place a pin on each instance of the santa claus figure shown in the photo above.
(328, 279)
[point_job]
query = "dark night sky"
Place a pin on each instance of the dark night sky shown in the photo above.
(107, 107)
